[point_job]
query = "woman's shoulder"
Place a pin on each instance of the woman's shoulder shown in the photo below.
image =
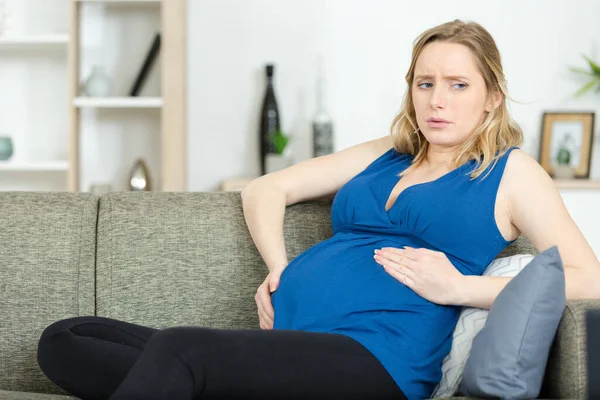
(517, 160)
(522, 171)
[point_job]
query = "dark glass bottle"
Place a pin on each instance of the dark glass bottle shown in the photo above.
(270, 119)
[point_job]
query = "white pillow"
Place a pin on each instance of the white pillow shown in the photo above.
(470, 322)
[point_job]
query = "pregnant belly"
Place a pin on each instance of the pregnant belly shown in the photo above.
(338, 282)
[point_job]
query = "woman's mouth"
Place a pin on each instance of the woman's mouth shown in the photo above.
(437, 123)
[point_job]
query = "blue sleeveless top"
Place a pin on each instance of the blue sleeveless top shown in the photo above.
(337, 287)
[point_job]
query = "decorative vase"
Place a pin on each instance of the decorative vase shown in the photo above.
(139, 178)
(322, 125)
(275, 162)
(98, 84)
(563, 171)
(6, 148)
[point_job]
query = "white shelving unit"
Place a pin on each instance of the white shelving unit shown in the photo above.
(52, 166)
(33, 71)
(118, 1)
(108, 134)
(28, 41)
(64, 140)
(118, 102)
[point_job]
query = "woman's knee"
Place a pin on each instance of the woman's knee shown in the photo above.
(63, 325)
(56, 338)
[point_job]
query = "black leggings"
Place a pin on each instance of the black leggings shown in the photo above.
(100, 358)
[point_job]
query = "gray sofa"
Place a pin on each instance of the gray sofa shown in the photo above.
(162, 260)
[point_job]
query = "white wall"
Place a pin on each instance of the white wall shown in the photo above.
(367, 48)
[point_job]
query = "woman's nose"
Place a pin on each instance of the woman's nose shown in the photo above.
(437, 98)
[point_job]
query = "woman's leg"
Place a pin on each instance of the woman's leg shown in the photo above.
(191, 362)
(90, 356)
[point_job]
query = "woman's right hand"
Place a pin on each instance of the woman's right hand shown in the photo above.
(263, 298)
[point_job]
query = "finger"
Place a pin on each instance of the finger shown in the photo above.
(262, 315)
(423, 251)
(266, 302)
(265, 305)
(269, 314)
(264, 295)
(273, 284)
(267, 311)
(410, 254)
(402, 269)
(395, 274)
(396, 257)
(390, 253)
(400, 277)
(263, 325)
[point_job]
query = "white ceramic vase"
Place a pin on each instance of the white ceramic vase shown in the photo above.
(277, 162)
(98, 84)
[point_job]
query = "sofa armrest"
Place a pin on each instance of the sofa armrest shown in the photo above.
(566, 372)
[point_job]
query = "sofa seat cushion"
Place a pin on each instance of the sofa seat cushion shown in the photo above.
(10, 395)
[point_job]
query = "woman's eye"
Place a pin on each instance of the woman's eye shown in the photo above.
(459, 86)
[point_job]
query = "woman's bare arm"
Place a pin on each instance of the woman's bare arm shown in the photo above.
(536, 209)
(265, 198)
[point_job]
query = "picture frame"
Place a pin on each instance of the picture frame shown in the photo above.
(567, 137)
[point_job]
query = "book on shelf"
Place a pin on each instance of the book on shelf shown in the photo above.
(147, 65)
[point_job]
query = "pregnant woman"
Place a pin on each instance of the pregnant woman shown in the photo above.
(368, 313)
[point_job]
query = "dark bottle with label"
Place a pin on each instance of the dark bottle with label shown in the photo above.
(322, 126)
(270, 119)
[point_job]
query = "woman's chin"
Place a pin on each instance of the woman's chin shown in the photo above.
(440, 138)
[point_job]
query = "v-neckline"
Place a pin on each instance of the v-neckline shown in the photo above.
(447, 175)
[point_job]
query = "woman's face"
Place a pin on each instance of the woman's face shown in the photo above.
(448, 86)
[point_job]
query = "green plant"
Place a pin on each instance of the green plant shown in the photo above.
(280, 141)
(594, 72)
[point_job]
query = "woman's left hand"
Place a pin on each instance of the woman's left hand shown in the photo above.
(428, 273)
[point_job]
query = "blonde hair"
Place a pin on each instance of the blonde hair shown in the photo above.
(497, 132)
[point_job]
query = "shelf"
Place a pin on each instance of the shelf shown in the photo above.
(118, 1)
(118, 102)
(27, 41)
(584, 184)
(50, 166)
(235, 185)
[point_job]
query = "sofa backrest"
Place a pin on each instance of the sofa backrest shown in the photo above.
(167, 259)
(47, 245)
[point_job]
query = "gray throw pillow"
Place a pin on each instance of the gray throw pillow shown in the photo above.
(509, 355)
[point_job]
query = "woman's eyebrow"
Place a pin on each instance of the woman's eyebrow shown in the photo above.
(429, 76)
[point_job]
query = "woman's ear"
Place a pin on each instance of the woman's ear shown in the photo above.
(494, 101)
